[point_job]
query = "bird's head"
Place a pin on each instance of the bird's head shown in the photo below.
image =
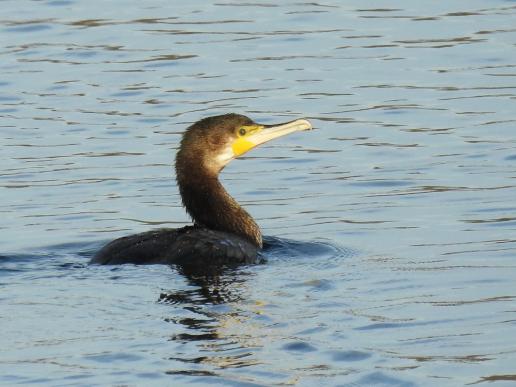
(215, 141)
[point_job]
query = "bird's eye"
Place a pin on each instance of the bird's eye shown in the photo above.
(242, 131)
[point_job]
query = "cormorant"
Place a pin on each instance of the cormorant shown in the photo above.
(223, 232)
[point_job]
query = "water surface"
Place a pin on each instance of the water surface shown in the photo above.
(408, 183)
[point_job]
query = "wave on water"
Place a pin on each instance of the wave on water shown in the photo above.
(275, 248)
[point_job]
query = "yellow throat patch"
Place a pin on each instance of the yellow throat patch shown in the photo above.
(243, 143)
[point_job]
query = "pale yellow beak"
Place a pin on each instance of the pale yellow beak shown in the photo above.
(259, 134)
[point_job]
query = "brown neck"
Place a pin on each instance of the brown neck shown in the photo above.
(209, 204)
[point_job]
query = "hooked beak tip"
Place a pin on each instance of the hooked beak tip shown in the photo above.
(304, 124)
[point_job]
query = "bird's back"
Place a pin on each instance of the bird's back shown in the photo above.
(192, 246)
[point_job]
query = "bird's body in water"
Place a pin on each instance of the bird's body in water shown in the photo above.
(223, 232)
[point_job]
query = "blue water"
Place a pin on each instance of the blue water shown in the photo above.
(396, 217)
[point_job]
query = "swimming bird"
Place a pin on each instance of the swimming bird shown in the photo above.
(223, 233)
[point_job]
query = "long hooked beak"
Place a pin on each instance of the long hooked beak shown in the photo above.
(259, 134)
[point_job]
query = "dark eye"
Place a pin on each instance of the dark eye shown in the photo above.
(242, 131)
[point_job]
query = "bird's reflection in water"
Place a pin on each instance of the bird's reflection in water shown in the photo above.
(213, 285)
(213, 322)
